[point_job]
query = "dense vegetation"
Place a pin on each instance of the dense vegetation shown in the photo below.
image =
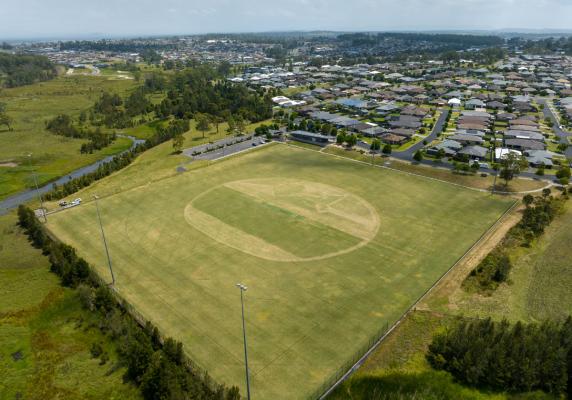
(450, 40)
(114, 46)
(20, 69)
(516, 358)
(495, 267)
(549, 45)
(62, 125)
(201, 90)
(157, 365)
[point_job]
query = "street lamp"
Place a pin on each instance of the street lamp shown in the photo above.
(95, 197)
(242, 290)
(37, 188)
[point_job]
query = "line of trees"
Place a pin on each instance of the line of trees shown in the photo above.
(157, 366)
(22, 69)
(495, 267)
(515, 358)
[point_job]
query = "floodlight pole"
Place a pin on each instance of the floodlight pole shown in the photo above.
(37, 188)
(95, 197)
(242, 290)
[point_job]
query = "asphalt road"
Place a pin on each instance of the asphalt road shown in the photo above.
(14, 201)
(561, 134)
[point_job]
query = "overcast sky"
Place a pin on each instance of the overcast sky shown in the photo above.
(108, 18)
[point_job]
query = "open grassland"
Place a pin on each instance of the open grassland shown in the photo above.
(53, 156)
(377, 239)
(45, 336)
(539, 283)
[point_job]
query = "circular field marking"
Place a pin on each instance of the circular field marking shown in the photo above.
(296, 204)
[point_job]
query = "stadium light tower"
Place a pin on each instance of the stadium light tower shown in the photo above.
(242, 290)
(95, 197)
(37, 188)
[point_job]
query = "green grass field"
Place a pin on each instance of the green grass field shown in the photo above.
(45, 335)
(53, 156)
(330, 249)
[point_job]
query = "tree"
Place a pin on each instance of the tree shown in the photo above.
(351, 140)
(511, 165)
(387, 149)
(528, 200)
(418, 156)
(203, 123)
(340, 138)
(178, 142)
(6, 120)
(562, 147)
(375, 145)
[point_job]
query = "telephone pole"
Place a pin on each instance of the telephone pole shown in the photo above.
(95, 197)
(37, 188)
(242, 290)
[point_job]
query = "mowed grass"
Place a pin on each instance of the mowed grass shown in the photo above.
(304, 319)
(53, 156)
(45, 335)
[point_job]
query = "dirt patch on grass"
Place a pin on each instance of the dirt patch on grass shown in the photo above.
(8, 164)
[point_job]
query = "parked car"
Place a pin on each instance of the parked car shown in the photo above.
(63, 203)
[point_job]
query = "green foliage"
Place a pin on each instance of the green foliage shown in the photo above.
(20, 69)
(511, 165)
(375, 145)
(418, 156)
(62, 125)
(495, 267)
(163, 134)
(517, 358)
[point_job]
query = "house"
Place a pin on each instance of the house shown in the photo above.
(474, 152)
(373, 131)
(387, 109)
(406, 121)
(524, 144)
(538, 158)
(390, 138)
(408, 133)
(519, 134)
(501, 152)
(474, 103)
(467, 139)
(454, 102)
(343, 122)
(449, 147)
(496, 105)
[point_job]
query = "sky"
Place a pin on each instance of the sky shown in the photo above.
(126, 18)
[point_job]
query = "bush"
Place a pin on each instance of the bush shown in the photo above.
(517, 358)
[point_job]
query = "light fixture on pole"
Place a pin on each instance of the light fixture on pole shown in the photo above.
(242, 290)
(37, 188)
(95, 197)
